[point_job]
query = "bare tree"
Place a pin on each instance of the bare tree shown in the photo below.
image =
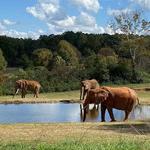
(131, 24)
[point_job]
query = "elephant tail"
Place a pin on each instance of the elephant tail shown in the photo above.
(138, 101)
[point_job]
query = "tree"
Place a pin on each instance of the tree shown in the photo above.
(132, 25)
(95, 67)
(68, 52)
(106, 51)
(3, 63)
(42, 56)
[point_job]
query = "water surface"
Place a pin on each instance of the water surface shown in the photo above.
(60, 112)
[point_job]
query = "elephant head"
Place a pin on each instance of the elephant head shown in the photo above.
(95, 96)
(86, 85)
(19, 85)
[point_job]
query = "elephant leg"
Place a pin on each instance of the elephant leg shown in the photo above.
(23, 93)
(84, 114)
(80, 109)
(36, 92)
(103, 110)
(97, 107)
(110, 111)
(87, 108)
(126, 115)
(84, 93)
(81, 92)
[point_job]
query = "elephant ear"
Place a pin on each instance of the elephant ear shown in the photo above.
(108, 90)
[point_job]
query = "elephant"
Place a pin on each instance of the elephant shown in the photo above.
(122, 98)
(25, 85)
(85, 86)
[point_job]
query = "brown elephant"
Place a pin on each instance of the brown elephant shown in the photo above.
(86, 85)
(25, 85)
(122, 98)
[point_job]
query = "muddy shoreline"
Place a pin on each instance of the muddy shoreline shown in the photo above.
(50, 101)
(39, 101)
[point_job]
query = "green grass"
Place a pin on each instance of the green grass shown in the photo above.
(72, 96)
(144, 97)
(141, 85)
(120, 144)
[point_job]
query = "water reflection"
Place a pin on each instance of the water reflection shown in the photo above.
(60, 112)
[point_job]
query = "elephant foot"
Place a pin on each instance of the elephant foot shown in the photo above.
(113, 120)
(102, 120)
(125, 120)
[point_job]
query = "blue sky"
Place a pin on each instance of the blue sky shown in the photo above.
(32, 18)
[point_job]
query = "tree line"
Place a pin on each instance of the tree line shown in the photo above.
(60, 62)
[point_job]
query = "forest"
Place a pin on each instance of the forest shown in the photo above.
(60, 62)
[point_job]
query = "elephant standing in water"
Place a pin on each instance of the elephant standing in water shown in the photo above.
(86, 85)
(25, 85)
(122, 98)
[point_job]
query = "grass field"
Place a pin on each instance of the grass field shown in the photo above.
(72, 136)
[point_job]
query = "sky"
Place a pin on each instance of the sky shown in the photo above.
(32, 18)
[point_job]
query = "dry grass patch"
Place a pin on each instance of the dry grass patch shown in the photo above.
(77, 131)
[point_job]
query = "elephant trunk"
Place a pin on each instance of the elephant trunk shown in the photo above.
(85, 106)
(80, 93)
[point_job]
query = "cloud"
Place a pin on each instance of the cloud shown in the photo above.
(59, 21)
(5, 25)
(8, 22)
(90, 5)
(143, 3)
(5, 30)
(86, 19)
(5, 22)
(19, 34)
(84, 22)
(67, 22)
(115, 12)
(2, 27)
(46, 10)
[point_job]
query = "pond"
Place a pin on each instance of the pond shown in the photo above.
(60, 112)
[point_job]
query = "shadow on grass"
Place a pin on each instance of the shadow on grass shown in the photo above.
(142, 128)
